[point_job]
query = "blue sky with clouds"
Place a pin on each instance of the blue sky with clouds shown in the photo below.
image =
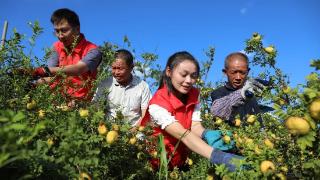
(166, 26)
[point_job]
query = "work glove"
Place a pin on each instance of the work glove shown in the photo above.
(220, 157)
(140, 136)
(214, 139)
(251, 87)
(42, 71)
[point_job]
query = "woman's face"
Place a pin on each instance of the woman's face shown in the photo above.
(183, 76)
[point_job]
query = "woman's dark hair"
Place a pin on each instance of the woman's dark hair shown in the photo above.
(173, 61)
(64, 13)
(124, 55)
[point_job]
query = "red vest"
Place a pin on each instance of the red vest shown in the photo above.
(77, 87)
(182, 113)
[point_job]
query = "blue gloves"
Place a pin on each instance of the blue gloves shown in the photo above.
(214, 139)
(220, 157)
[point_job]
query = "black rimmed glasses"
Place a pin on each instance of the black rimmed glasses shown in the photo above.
(63, 31)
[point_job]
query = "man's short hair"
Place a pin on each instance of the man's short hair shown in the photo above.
(124, 55)
(64, 13)
(239, 55)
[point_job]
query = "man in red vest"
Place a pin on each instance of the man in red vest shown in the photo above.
(72, 56)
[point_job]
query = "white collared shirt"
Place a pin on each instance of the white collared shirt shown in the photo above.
(163, 118)
(130, 100)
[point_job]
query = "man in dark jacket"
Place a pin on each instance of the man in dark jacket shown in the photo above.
(235, 97)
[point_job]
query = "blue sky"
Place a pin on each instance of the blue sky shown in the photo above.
(166, 26)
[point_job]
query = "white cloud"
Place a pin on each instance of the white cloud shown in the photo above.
(243, 10)
(248, 5)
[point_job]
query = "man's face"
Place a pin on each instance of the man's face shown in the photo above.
(121, 71)
(65, 32)
(236, 72)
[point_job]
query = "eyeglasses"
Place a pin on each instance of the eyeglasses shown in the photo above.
(64, 31)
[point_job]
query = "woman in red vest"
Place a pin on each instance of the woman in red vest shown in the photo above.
(174, 111)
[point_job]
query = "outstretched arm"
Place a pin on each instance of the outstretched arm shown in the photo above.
(190, 139)
(222, 107)
(89, 62)
(71, 70)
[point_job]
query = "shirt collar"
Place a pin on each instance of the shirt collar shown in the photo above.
(176, 103)
(229, 87)
(134, 81)
(81, 43)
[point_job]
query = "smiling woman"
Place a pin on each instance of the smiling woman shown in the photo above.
(175, 111)
(180, 74)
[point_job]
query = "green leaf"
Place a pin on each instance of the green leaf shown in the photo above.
(311, 93)
(4, 157)
(4, 119)
(312, 77)
(17, 126)
(18, 117)
(311, 122)
(312, 164)
(306, 140)
(163, 157)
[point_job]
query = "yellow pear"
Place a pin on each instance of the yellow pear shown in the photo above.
(226, 139)
(84, 113)
(102, 129)
(31, 104)
(141, 128)
(251, 118)
(314, 109)
(41, 113)
(297, 125)
(256, 36)
(132, 140)
(281, 176)
(50, 142)
(286, 89)
(112, 136)
(84, 176)
(257, 150)
(268, 143)
(210, 177)
(218, 121)
(115, 127)
(269, 49)
(237, 122)
(267, 166)
(189, 161)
